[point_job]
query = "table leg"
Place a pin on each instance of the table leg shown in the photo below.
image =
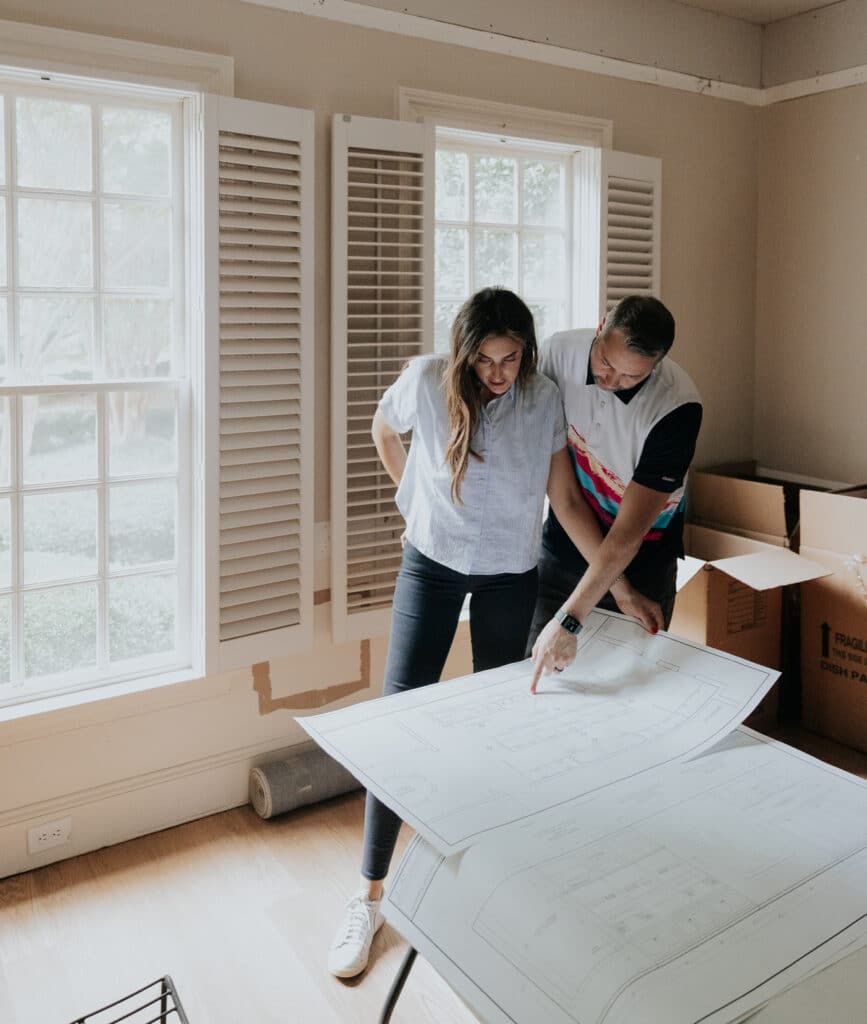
(397, 985)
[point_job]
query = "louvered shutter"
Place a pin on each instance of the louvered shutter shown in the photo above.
(629, 233)
(382, 280)
(258, 323)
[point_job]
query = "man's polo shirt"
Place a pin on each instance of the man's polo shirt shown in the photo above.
(646, 434)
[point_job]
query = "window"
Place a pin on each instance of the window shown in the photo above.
(156, 366)
(503, 217)
(95, 524)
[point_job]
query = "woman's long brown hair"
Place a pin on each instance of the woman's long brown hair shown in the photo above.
(492, 312)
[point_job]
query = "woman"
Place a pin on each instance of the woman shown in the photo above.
(488, 431)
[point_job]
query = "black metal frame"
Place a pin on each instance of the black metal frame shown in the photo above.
(397, 986)
(126, 1007)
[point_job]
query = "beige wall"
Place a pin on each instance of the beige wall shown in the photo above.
(143, 762)
(811, 350)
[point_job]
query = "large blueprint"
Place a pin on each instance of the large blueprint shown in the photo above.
(466, 758)
(690, 895)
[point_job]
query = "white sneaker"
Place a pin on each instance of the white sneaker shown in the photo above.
(350, 949)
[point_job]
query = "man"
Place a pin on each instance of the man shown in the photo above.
(633, 419)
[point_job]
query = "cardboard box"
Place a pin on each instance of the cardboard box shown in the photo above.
(730, 597)
(751, 501)
(834, 617)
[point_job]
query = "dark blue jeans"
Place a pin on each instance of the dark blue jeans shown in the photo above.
(427, 604)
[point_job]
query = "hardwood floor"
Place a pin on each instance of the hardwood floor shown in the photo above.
(238, 910)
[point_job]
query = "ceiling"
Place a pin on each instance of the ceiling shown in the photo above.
(760, 12)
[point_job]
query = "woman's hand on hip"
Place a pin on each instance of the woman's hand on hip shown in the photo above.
(553, 651)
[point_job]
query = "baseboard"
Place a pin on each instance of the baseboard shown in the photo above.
(106, 815)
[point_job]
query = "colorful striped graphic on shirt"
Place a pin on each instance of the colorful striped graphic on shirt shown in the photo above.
(603, 490)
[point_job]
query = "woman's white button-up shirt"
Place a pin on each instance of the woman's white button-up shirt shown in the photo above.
(497, 527)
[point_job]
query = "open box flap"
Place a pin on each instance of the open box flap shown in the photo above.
(777, 567)
(687, 568)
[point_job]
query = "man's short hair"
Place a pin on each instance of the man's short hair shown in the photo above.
(646, 325)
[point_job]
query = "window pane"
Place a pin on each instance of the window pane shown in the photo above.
(137, 245)
(54, 243)
(495, 259)
(548, 317)
(452, 185)
(59, 536)
(452, 264)
(141, 615)
(5, 542)
(53, 144)
(142, 432)
(138, 337)
(444, 315)
(5, 636)
(2, 142)
(4, 337)
(141, 523)
(496, 188)
(136, 151)
(59, 440)
(542, 193)
(59, 629)
(56, 337)
(543, 265)
(4, 442)
(3, 241)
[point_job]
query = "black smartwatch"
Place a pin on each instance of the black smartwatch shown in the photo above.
(568, 622)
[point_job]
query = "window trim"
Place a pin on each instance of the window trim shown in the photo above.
(36, 50)
(449, 111)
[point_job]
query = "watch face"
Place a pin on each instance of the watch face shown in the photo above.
(569, 622)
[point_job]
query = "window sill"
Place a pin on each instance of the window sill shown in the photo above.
(97, 695)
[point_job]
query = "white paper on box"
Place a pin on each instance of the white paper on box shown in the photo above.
(463, 759)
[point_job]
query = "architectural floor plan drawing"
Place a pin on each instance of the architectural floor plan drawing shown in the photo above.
(462, 759)
(690, 894)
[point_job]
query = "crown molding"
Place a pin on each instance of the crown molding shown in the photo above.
(400, 23)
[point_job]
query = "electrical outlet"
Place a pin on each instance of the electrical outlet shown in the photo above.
(48, 834)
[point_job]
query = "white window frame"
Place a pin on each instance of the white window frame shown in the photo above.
(34, 54)
(585, 137)
(484, 144)
(98, 95)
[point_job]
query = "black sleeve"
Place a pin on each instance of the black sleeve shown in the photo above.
(668, 449)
